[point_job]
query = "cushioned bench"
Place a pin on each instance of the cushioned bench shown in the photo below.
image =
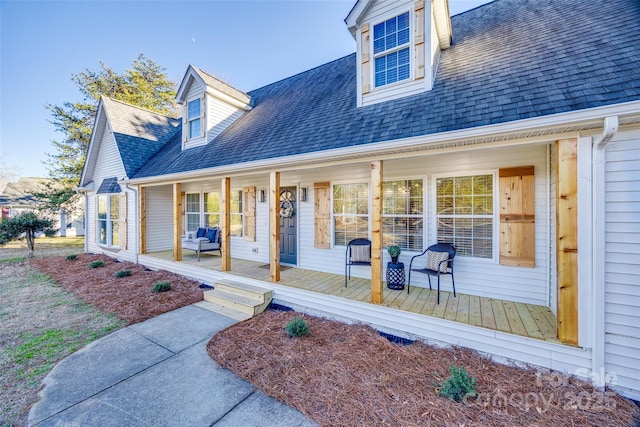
(205, 240)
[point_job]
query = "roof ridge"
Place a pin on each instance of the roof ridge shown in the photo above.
(138, 107)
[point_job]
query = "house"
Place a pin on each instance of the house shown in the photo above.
(18, 197)
(511, 130)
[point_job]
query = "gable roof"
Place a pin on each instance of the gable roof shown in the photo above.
(20, 193)
(510, 60)
(139, 133)
(212, 85)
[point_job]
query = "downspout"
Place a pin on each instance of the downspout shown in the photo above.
(598, 256)
(135, 216)
(86, 215)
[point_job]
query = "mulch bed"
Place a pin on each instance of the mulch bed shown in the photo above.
(349, 375)
(130, 298)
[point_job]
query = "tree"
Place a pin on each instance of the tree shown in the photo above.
(25, 225)
(145, 84)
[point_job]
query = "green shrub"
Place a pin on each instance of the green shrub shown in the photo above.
(71, 257)
(161, 287)
(297, 328)
(96, 264)
(458, 385)
(123, 273)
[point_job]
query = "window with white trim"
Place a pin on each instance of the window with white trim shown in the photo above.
(402, 214)
(192, 211)
(464, 212)
(212, 209)
(350, 212)
(108, 220)
(236, 213)
(391, 50)
(194, 118)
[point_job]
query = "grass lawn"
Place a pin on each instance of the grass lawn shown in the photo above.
(41, 324)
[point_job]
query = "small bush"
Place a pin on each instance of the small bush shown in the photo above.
(161, 287)
(96, 264)
(123, 273)
(71, 257)
(458, 385)
(297, 328)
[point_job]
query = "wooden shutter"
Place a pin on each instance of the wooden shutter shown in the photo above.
(142, 228)
(203, 107)
(185, 122)
(322, 215)
(418, 37)
(249, 213)
(123, 221)
(365, 48)
(517, 217)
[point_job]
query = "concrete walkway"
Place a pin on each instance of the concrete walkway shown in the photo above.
(156, 373)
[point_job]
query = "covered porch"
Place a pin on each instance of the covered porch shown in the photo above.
(526, 320)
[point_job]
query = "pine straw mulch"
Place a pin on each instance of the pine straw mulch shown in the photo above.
(130, 298)
(349, 375)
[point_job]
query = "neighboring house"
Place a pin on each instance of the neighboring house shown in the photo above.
(511, 130)
(17, 197)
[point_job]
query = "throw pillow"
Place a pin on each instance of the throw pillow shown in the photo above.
(211, 234)
(360, 254)
(434, 259)
(201, 232)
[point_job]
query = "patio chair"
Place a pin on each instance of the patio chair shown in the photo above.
(205, 240)
(439, 261)
(358, 253)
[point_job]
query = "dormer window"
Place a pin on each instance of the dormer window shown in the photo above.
(194, 118)
(391, 50)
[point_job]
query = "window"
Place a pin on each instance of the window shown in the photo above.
(402, 209)
(465, 214)
(108, 220)
(391, 50)
(350, 212)
(192, 211)
(236, 213)
(212, 209)
(193, 117)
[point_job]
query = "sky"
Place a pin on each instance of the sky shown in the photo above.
(247, 44)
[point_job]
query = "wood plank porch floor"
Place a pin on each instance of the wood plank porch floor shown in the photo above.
(527, 320)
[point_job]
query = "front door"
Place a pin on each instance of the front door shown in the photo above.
(288, 226)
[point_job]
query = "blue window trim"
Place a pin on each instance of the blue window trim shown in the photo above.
(391, 49)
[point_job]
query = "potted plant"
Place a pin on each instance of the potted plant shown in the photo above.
(394, 252)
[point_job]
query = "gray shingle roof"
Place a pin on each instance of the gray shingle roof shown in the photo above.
(20, 193)
(510, 60)
(139, 133)
(109, 185)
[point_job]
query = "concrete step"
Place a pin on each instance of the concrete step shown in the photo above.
(243, 289)
(225, 311)
(249, 305)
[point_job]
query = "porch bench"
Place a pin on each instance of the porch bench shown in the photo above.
(205, 240)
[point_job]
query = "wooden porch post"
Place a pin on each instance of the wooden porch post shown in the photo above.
(142, 229)
(177, 227)
(274, 226)
(225, 222)
(567, 239)
(376, 231)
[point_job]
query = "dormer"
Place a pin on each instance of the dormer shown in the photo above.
(398, 46)
(209, 106)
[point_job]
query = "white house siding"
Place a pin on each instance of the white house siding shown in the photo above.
(159, 219)
(195, 91)
(622, 260)
(220, 116)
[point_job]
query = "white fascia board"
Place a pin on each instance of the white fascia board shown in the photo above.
(593, 116)
(184, 84)
(100, 115)
(228, 99)
(356, 14)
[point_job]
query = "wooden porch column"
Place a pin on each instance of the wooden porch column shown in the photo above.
(225, 223)
(567, 239)
(376, 231)
(274, 226)
(177, 227)
(143, 220)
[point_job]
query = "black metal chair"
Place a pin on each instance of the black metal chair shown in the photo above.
(358, 253)
(436, 258)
